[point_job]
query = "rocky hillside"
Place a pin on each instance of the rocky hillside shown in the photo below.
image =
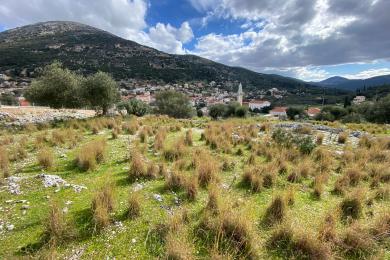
(86, 49)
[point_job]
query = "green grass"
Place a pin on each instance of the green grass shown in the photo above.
(136, 238)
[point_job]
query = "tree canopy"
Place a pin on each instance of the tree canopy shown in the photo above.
(174, 104)
(59, 87)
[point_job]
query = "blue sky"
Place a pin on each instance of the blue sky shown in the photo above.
(306, 39)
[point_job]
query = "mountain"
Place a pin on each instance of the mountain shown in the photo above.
(333, 81)
(86, 49)
(354, 84)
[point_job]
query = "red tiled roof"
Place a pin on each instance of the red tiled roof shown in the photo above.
(313, 110)
(279, 109)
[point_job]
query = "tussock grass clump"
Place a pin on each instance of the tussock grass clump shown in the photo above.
(159, 140)
(354, 176)
(143, 135)
(252, 179)
(18, 153)
(342, 138)
(4, 162)
(131, 127)
(383, 193)
(175, 180)
(295, 245)
(341, 185)
(178, 247)
(134, 205)
(102, 206)
(188, 138)
(318, 186)
(191, 188)
(276, 211)
(352, 206)
(46, 158)
(327, 231)
(175, 152)
(214, 199)
(320, 139)
(290, 196)
(137, 166)
(229, 233)
(381, 228)
(57, 229)
(357, 242)
(91, 154)
(365, 141)
(207, 172)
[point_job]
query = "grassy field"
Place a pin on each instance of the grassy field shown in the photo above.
(156, 187)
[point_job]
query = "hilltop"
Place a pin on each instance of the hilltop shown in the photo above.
(87, 49)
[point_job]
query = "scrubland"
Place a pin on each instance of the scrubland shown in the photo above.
(163, 188)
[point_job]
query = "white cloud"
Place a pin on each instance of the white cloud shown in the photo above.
(167, 38)
(300, 33)
(368, 73)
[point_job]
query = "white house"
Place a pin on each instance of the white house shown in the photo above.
(279, 111)
(358, 100)
(258, 104)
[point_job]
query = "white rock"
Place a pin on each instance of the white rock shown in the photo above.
(158, 197)
(10, 227)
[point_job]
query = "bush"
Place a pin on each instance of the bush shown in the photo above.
(217, 111)
(135, 107)
(173, 104)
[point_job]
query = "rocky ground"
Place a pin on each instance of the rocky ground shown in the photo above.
(19, 116)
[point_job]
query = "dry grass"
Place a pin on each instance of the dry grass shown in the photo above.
(252, 179)
(357, 242)
(175, 152)
(352, 206)
(134, 205)
(327, 231)
(207, 172)
(175, 180)
(137, 166)
(91, 154)
(297, 245)
(214, 199)
(191, 188)
(178, 248)
(45, 158)
(276, 211)
(102, 206)
(320, 139)
(57, 230)
(159, 140)
(188, 138)
(342, 139)
(4, 162)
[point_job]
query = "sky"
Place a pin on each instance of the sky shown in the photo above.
(306, 39)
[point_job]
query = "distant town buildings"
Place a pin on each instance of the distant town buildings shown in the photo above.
(279, 111)
(358, 100)
(258, 104)
(313, 111)
(240, 94)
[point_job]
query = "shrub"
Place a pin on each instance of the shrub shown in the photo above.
(173, 104)
(102, 206)
(91, 154)
(276, 211)
(46, 158)
(134, 205)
